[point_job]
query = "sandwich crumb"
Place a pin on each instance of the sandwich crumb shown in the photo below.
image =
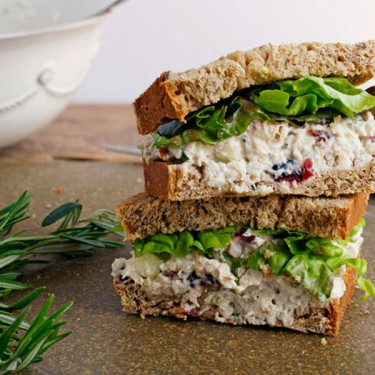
(323, 341)
(59, 190)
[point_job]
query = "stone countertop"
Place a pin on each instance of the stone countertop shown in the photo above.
(107, 341)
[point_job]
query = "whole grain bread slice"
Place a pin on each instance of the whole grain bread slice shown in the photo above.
(136, 299)
(174, 95)
(178, 182)
(143, 215)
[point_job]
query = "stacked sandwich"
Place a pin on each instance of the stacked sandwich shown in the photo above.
(257, 172)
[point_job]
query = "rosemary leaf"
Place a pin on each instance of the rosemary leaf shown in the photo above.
(22, 342)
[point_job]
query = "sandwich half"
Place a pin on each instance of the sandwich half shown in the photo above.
(282, 119)
(252, 263)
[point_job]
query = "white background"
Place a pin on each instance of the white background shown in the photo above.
(147, 37)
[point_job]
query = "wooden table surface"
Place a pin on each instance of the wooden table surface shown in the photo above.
(66, 161)
(80, 134)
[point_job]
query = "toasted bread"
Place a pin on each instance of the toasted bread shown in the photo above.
(143, 215)
(174, 95)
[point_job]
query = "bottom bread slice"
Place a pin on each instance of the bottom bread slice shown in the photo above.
(318, 318)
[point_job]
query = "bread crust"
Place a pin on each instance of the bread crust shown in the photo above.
(338, 307)
(325, 320)
(160, 179)
(158, 96)
(173, 182)
(174, 95)
(143, 215)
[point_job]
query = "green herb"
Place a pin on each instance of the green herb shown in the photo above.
(305, 100)
(22, 342)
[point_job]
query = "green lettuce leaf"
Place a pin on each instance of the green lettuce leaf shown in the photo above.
(360, 265)
(324, 246)
(256, 260)
(355, 230)
(217, 239)
(211, 124)
(217, 124)
(310, 94)
(276, 257)
(312, 273)
(182, 244)
(367, 286)
(280, 256)
(157, 244)
(297, 244)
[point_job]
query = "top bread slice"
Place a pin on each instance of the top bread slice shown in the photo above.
(143, 215)
(174, 95)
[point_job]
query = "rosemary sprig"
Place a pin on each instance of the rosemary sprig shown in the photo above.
(22, 342)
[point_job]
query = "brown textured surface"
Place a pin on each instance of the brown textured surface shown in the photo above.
(136, 300)
(80, 134)
(143, 215)
(171, 182)
(174, 95)
(106, 341)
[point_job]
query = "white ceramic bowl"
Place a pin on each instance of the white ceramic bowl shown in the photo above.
(28, 15)
(40, 71)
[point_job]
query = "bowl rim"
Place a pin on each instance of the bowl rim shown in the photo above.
(64, 27)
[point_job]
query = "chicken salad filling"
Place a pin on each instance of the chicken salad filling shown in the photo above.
(228, 258)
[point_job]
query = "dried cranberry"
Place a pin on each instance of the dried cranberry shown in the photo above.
(372, 138)
(320, 135)
(240, 236)
(308, 169)
(248, 239)
(290, 178)
(288, 171)
(298, 174)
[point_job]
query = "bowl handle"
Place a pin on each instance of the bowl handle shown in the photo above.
(44, 82)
